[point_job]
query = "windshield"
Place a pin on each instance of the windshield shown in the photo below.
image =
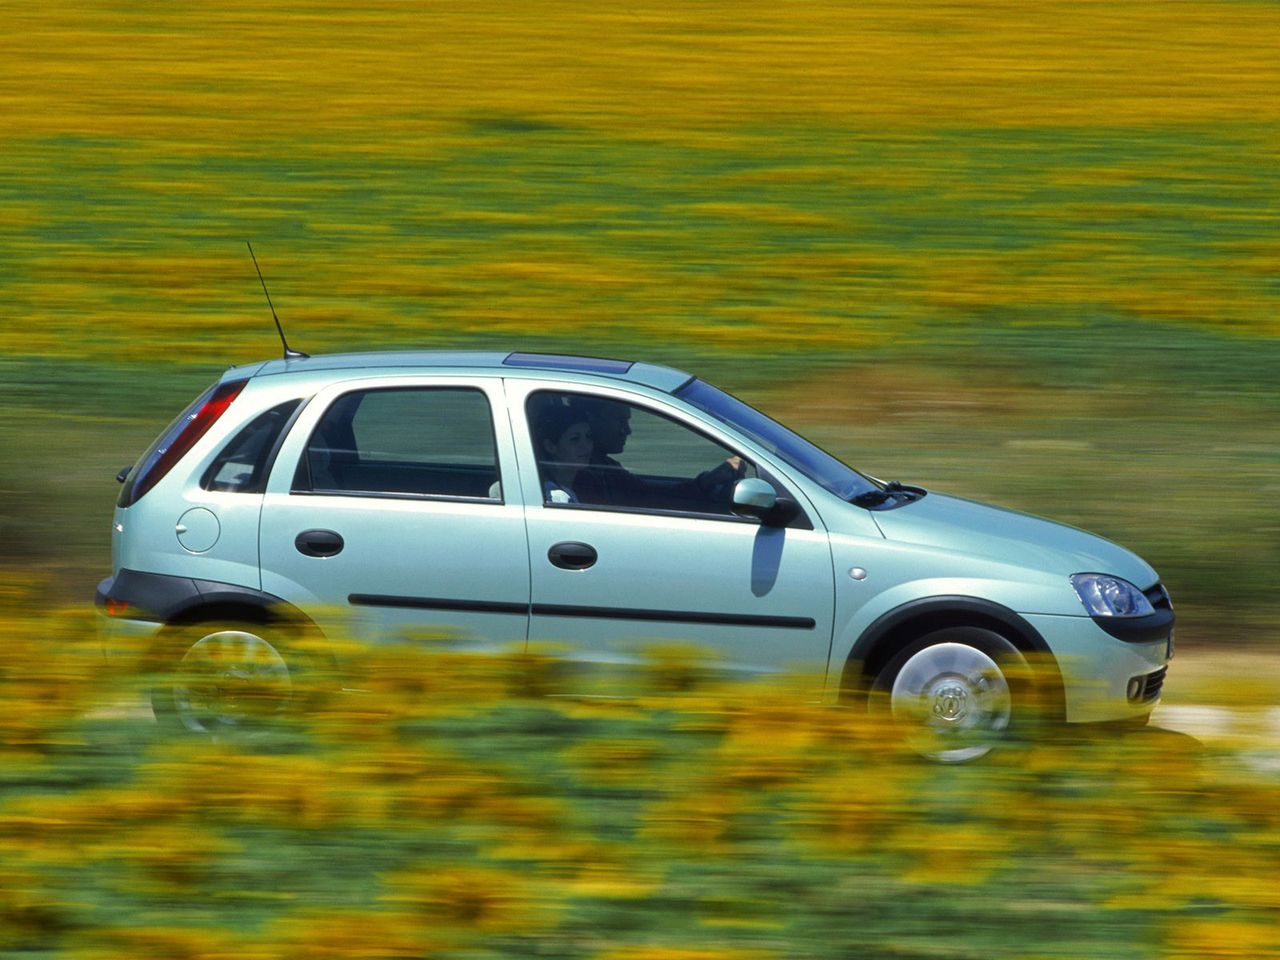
(811, 460)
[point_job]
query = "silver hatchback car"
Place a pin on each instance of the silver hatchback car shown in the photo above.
(509, 499)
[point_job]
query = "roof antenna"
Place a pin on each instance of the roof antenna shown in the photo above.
(289, 352)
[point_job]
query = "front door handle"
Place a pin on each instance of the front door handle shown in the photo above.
(572, 555)
(319, 543)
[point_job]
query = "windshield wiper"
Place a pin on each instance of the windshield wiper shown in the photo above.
(891, 491)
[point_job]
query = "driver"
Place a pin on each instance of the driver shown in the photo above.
(606, 481)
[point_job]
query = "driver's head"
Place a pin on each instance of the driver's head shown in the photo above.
(610, 423)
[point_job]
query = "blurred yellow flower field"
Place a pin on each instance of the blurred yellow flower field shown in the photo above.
(703, 820)
(810, 176)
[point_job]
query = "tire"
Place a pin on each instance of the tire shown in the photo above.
(955, 693)
(222, 679)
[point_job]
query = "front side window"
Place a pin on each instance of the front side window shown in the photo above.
(407, 442)
(595, 451)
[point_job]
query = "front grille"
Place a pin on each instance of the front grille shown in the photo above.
(1159, 597)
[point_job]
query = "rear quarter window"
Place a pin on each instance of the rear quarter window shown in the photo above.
(242, 465)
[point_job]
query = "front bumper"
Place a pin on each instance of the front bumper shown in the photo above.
(1098, 669)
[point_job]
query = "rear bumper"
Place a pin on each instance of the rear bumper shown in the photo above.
(124, 640)
(126, 629)
(165, 598)
(152, 596)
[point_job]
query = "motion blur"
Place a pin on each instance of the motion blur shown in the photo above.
(1021, 253)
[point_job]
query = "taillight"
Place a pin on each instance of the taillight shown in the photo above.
(181, 436)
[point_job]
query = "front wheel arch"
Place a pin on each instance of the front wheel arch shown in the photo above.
(894, 631)
(956, 694)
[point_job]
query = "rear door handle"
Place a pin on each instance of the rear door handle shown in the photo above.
(319, 543)
(572, 555)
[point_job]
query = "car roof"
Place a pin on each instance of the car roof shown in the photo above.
(653, 375)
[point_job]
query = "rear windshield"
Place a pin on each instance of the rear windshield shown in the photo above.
(162, 443)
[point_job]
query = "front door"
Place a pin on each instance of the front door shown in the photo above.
(386, 513)
(634, 543)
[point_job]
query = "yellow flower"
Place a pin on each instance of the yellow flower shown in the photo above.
(657, 952)
(472, 899)
(1223, 939)
(347, 935)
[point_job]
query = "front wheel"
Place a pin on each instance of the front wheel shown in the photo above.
(224, 679)
(954, 693)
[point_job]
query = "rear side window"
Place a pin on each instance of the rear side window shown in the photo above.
(241, 466)
(404, 442)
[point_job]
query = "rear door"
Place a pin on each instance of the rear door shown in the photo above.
(386, 512)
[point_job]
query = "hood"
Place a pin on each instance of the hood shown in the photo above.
(965, 526)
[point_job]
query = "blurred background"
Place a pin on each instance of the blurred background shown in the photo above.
(1021, 252)
(1027, 253)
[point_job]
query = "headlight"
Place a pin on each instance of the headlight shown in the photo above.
(1105, 596)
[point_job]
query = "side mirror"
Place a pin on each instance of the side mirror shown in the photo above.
(753, 497)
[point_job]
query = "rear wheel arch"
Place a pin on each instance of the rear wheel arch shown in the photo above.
(283, 619)
(896, 630)
(228, 666)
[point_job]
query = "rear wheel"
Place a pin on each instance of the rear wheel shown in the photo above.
(954, 693)
(224, 679)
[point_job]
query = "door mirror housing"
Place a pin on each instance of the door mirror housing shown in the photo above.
(757, 498)
(754, 497)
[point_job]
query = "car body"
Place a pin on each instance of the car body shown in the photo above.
(405, 492)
